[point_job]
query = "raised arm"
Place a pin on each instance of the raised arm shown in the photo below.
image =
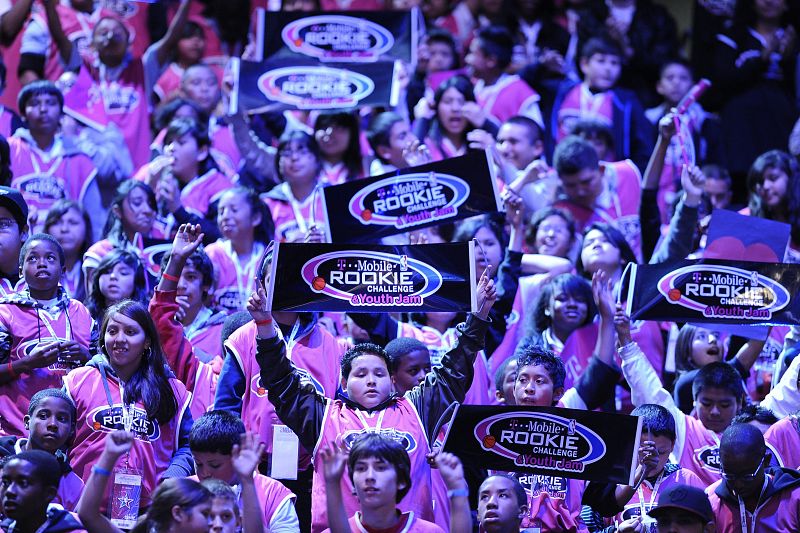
(116, 444)
(12, 21)
(245, 457)
(63, 43)
(649, 214)
(334, 460)
(680, 238)
(452, 472)
(163, 49)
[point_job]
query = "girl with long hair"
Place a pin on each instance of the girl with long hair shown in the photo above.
(119, 276)
(339, 138)
(128, 385)
(69, 223)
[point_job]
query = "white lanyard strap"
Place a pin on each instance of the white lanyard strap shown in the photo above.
(50, 329)
(366, 425)
(292, 338)
(653, 495)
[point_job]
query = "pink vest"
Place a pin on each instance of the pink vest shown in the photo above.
(271, 495)
(554, 503)
(412, 524)
(27, 331)
(204, 190)
(783, 439)
(760, 381)
(316, 355)
(169, 83)
(481, 390)
(580, 104)
(234, 281)
(618, 205)
(42, 183)
(125, 104)
(150, 255)
(399, 421)
(577, 353)
(288, 228)
(509, 96)
(779, 514)
(650, 493)
(5, 122)
(700, 451)
(154, 445)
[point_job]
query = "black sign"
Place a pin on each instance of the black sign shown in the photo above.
(372, 278)
(709, 290)
(369, 209)
(547, 440)
(276, 85)
(338, 36)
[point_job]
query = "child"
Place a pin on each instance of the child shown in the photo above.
(202, 324)
(390, 137)
(502, 505)
(409, 363)
(43, 333)
(783, 440)
(339, 138)
(246, 228)
(598, 193)
(296, 204)
(189, 50)
(46, 165)
(29, 483)
(365, 377)
(217, 440)
(501, 95)
(504, 379)
(657, 472)
(380, 472)
(69, 223)
(597, 98)
(51, 427)
(13, 233)
(225, 516)
(119, 276)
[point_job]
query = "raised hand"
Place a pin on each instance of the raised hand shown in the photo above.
(118, 442)
(602, 290)
(334, 459)
(515, 211)
(187, 240)
(666, 126)
(416, 154)
(246, 455)
(487, 294)
(257, 304)
(693, 182)
(452, 470)
(622, 323)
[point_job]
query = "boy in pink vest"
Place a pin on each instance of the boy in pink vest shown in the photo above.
(371, 406)
(501, 95)
(751, 496)
(380, 472)
(783, 440)
(212, 439)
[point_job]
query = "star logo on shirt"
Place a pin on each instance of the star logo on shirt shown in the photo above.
(124, 501)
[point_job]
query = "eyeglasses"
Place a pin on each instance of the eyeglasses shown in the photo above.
(290, 153)
(743, 477)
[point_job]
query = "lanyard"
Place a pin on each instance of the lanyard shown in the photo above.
(450, 149)
(244, 274)
(127, 411)
(653, 495)
(366, 425)
(292, 338)
(67, 326)
(296, 210)
(743, 511)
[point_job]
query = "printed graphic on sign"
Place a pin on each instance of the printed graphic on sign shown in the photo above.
(410, 200)
(540, 440)
(720, 291)
(405, 438)
(338, 38)
(367, 278)
(108, 419)
(708, 456)
(315, 87)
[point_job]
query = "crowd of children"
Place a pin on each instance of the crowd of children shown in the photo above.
(145, 385)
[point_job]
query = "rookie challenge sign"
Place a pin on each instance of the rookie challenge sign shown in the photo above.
(547, 440)
(276, 86)
(733, 292)
(369, 209)
(369, 279)
(338, 36)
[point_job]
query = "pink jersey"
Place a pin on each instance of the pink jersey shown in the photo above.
(149, 254)
(649, 491)
(316, 354)
(554, 503)
(760, 381)
(336, 174)
(400, 421)
(510, 95)
(154, 444)
(701, 451)
(783, 439)
(45, 177)
(481, 390)
(780, 513)
(22, 328)
(581, 104)
(271, 494)
(169, 83)
(235, 281)
(292, 218)
(200, 192)
(205, 334)
(617, 205)
(409, 523)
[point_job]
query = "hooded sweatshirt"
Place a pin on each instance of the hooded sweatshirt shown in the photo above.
(58, 521)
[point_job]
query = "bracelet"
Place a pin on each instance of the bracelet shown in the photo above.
(264, 322)
(10, 368)
(100, 471)
(457, 493)
(170, 277)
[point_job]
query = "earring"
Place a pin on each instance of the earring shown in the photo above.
(148, 353)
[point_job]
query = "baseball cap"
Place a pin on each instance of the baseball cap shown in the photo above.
(685, 498)
(12, 200)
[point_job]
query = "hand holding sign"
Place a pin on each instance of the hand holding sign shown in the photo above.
(602, 290)
(487, 294)
(622, 323)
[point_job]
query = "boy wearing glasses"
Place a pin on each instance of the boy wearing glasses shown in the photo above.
(752, 496)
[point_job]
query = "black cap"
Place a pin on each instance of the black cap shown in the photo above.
(685, 498)
(12, 200)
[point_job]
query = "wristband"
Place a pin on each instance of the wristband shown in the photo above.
(10, 368)
(100, 471)
(264, 322)
(170, 277)
(457, 493)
